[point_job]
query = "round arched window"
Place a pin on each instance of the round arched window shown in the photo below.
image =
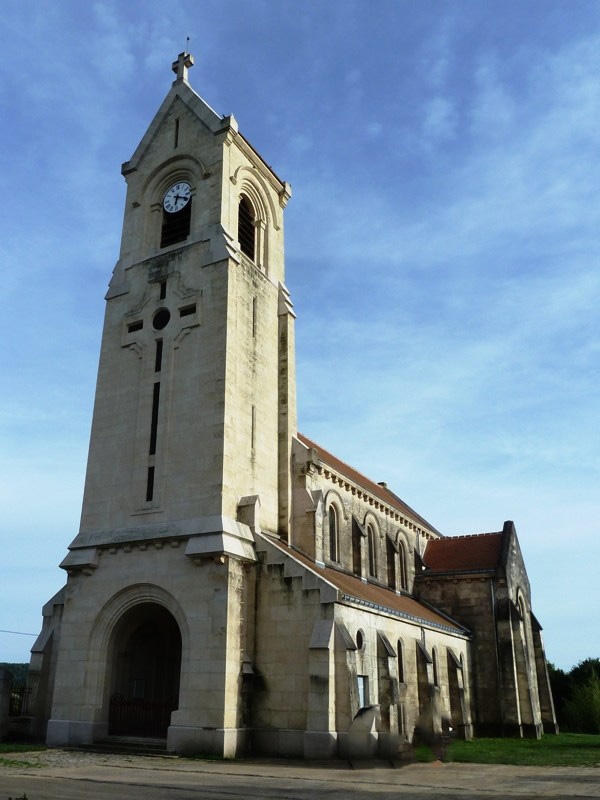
(246, 227)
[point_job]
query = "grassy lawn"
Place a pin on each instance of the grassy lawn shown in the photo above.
(14, 747)
(565, 750)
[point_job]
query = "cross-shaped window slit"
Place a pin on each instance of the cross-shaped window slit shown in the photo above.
(154, 422)
(158, 356)
(187, 311)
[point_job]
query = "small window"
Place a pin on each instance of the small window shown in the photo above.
(372, 554)
(402, 562)
(135, 326)
(360, 640)
(391, 563)
(436, 676)
(363, 690)
(356, 548)
(246, 228)
(400, 661)
(333, 534)
(187, 311)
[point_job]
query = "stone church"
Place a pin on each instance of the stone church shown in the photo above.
(235, 587)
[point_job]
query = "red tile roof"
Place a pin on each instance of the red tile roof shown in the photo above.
(366, 483)
(371, 595)
(480, 551)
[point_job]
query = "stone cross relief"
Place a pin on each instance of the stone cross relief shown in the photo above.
(183, 312)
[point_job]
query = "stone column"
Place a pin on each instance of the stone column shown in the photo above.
(320, 739)
(543, 680)
(389, 739)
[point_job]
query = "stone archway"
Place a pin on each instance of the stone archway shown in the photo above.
(145, 655)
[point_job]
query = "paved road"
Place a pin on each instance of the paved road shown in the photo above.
(64, 775)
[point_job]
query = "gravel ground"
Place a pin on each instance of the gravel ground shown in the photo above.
(57, 774)
(57, 758)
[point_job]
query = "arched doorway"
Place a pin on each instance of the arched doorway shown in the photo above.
(146, 664)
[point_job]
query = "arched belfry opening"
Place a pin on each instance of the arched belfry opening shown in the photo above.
(145, 658)
(176, 214)
(246, 228)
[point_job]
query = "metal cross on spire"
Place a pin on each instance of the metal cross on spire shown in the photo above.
(181, 66)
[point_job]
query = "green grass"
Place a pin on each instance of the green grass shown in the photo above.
(12, 762)
(565, 750)
(16, 747)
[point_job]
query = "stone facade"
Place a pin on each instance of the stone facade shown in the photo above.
(233, 586)
(493, 599)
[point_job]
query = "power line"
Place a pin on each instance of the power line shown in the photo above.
(18, 633)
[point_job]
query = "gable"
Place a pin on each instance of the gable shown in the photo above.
(180, 93)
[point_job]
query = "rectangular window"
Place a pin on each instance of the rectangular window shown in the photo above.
(135, 326)
(363, 691)
(187, 311)
(163, 290)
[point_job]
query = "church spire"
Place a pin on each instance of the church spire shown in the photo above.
(181, 66)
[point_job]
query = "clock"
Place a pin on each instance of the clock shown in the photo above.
(177, 197)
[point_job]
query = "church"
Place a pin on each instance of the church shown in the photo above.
(234, 587)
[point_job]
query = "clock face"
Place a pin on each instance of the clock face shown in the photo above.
(177, 197)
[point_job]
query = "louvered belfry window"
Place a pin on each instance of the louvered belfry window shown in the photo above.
(176, 227)
(246, 228)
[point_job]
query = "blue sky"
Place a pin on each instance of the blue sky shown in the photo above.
(442, 242)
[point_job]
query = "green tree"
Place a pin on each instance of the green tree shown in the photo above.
(582, 709)
(581, 672)
(18, 671)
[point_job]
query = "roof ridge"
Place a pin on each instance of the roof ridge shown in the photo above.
(450, 537)
(345, 463)
(383, 492)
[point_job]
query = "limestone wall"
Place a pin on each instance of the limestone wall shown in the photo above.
(203, 599)
(471, 601)
(396, 537)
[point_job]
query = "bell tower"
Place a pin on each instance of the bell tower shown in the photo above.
(189, 408)
(191, 436)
